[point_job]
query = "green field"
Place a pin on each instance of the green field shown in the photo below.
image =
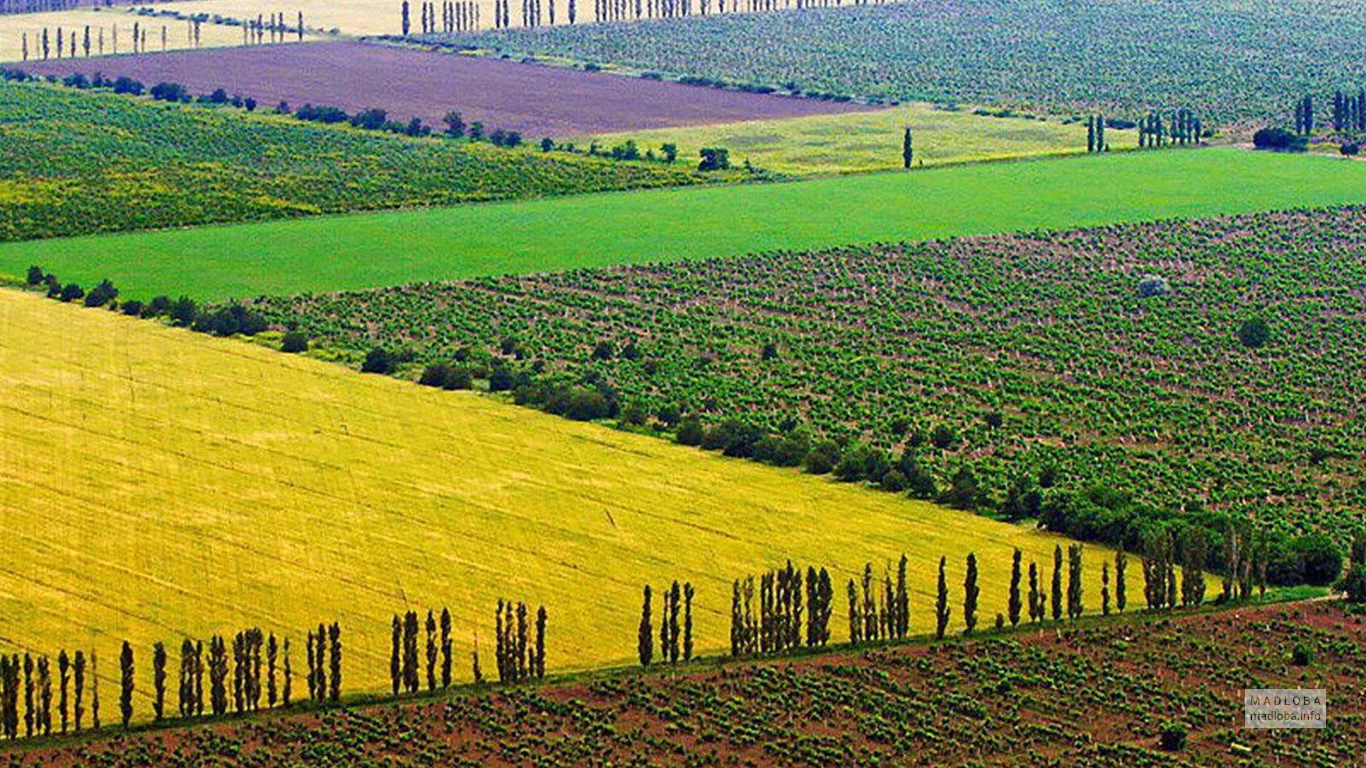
(336, 253)
(871, 141)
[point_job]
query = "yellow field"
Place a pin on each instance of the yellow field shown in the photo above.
(869, 141)
(115, 23)
(156, 484)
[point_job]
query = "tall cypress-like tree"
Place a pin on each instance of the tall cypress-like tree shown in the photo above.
(287, 678)
(903, 600)
(907, 149)
(736, 621)
(539, 653)
(334, 639)
(431, 650)
(126, 690)
(395, 655)
(44, 695)
(1074, 589)
(78, 681)
(1013, 603)
(406, 21)
(30, 706)
(64, 681)
(941, 603)
(158, 681)
(1057, 582)
(970, 594)
(1121, 563)
(446, 648)
(1035, 598)
(687, 621)
(645, 636)
(94, 690)
(675, 598)
(411, 677)
(272, 662)
(1105, 588)
(855, 615)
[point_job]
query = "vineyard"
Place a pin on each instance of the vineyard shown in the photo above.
(77, 162)
(1099, 695)
(1036, 351)
(1229, 60)
(159, 485)
(328, 254)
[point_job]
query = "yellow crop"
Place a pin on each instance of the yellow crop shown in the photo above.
(157, 484)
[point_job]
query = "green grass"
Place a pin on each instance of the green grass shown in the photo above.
(871, 141)
(348, 252)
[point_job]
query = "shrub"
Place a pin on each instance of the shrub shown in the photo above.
(1320, 559)
(35, 276)
(714, 159)
(1280, 140)
(1254, 333)
(1172, 737)
(71, 292)
(943, 437)
(229, 321)
(101, 294)
(293, 343)
(822, 458)
(1350, 148)
(500, 379)
(1302, 655)
(132, 308)
(183, 312)
(1152, 285)
(690, 431)
(377, 361)
(435, 375)
(587, 404)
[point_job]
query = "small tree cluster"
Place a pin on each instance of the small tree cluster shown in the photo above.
(518, 656)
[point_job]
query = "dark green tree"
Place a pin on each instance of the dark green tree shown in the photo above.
(158, 681)
(1057, 582)
(907, 151)
(941, 604)
(970, 594)
(126, 689)
(645, 637)
(1013, 604)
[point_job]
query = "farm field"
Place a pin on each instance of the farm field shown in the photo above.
(1153, 397)
(1096, 696)
(111, 32)
(83, 161)
(157, 484)
(871, 141)
(536, 101)
(1229, 60)
(328, 254)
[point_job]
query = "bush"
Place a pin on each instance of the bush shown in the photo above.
(500, 379)
(1302, 655)
(714, 159)
(943, 437)
(132, 308)
(377, 361)
(1350, 148)
(1254, 333)
(1172, 737)
(229, 321)
(690, 431)
(822, 458)
(293, 343)
(71, 292)
(1320, 559)
(587, 405)
(1152, 285)
(36, 276)
(182, 312)
(101, 294)
(1279, 140)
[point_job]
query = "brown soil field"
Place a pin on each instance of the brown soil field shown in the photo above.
(1094, 694)
(534, 100)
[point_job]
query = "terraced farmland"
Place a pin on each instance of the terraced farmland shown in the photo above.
(157, 484)
(1047, 334)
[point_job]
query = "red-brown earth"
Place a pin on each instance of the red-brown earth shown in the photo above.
(532, 99)
(1094, 694)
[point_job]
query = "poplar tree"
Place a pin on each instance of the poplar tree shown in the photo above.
(158, 681)
(941, 603)
(675, 597)
(94, 691)
(431, 651)
(1074, 589)
(287, 681)
(218, 674)
(44, 695)
(538, 669)
(446, 648)
(1013, 604)
(970, 593)
(411, 678)
(29, 706)
(126, 690)
(1035, 598)
(334, 637)
(272, 659)
(736, 620)
(1105, 588)
(687, 621)
(907, 151)
(522, 644)
(645, 636)
(855, 619)
(903, 600)
(1057, 582)
(1121, 562)
(395, 655)
(64, 683)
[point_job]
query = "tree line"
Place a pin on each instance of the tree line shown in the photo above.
(675, 642)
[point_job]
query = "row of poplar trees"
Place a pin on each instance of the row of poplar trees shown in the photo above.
(259, 666)
(675, 642)
(1181, 127)
(518, 657)
(462, 16)
(405, 661)
(779, 624)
